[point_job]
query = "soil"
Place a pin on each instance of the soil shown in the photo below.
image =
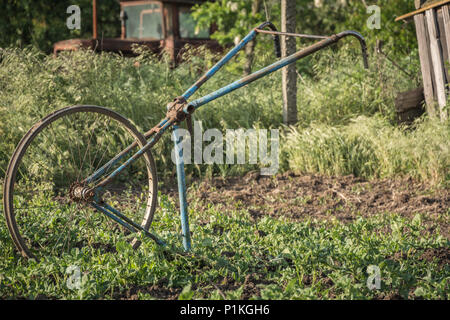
(159, 291)
(298, 197)
(441, 255)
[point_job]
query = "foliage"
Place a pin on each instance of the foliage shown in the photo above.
(33, 85)
(371, 147)
(42, 23)
(234, 19)
(336, 16)
(285, 260)
(339, 87)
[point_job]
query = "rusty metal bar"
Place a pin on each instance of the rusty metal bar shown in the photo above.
(278, 65)
(189, 92)
(94, 19)
(135, 156)
(288, 34)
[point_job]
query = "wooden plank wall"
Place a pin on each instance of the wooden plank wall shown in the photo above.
(425, 62)
(433, 36)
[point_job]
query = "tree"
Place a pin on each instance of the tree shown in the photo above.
(42, 23)
(234, 20)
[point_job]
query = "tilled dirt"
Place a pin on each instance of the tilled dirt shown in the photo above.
(298, 197)
(441, 255)
(251, 286)
(159, 291)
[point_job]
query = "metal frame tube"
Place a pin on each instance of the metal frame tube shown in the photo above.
(288, 34)
(125, 221)
(189, 92)
(184, 217)
(262, 72)
(135, 156)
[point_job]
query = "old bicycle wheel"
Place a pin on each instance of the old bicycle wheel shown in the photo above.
(43, 213)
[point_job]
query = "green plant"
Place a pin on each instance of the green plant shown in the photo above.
(293, 260)
(372, 147)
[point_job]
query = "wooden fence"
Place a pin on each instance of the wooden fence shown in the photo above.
(432, 23)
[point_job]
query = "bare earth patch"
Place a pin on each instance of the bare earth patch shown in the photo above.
(159, 291)
(298, 197)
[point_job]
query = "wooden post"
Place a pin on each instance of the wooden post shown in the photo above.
(437, 59)
(289, 74)
(446, 18)
(418, 3)
(442, 41)
(94, 19)
(425, 62)
(250, 48)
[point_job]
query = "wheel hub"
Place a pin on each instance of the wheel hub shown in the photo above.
(80, 193)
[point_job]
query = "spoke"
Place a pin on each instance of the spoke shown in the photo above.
(111, 212)
(100, 161)
(71, 153)
(79, 154)
(54, 137)
(88, 147)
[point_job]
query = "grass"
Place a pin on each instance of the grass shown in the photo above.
(371, 147)
(331, 96)
(345, 127)
(283, 259)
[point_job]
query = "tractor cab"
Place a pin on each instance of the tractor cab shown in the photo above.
(162, 26)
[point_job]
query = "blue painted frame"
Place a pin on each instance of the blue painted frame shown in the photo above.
(192, 106)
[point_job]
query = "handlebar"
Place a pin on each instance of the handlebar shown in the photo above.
(325, 42)
(276, 38)
(362, 42)
(334, 38)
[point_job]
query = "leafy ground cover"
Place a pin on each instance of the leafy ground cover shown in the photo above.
(245, 247)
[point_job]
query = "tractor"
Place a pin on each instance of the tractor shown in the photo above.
(164, 26)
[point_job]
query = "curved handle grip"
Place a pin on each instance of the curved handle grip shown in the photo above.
(276, 38)
(362, 42)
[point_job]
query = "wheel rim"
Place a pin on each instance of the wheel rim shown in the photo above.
(52, 160)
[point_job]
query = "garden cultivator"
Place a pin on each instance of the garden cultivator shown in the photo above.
(84, 171)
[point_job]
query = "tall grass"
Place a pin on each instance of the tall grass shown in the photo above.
(333, 91)
(339, 87)
(372, 147)
(33, 85)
